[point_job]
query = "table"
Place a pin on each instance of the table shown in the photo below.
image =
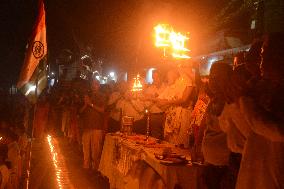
(131, 165)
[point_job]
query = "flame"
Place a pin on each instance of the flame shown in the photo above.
(61, 174)
(166, 37)
(137, 86)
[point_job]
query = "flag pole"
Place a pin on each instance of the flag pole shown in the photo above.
(29, 154)
(28, 169)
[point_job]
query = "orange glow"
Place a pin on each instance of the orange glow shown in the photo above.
(166, 37)
(162, 32)
(178, 45)
(59, 165)
(137, 86)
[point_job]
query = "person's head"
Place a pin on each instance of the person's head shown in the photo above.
(19, 130)
(64, 73)
(253, 58)
(9, 136)
(239, 81)
(111, 84)
(122, 86)
(172, 76)
(239, 59)
(106, 89)
(3, 153)
(78, 74)
(216, 106)
(95, 85)
(186, 68)
(4, 124)
(43, 98)
(156, 76)
(272, 54)
(219, 79)
(115, 87)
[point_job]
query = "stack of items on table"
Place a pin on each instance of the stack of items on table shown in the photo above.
(132, 161)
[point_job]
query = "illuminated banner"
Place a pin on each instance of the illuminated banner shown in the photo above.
(167, 38)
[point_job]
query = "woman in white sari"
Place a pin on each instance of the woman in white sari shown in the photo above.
(176, 97)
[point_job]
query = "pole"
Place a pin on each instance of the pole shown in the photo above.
(27, 179)
(148, 124)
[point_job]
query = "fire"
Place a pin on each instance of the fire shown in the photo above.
(137, 86)
(166, 37)
(59, 165)
(55, 161)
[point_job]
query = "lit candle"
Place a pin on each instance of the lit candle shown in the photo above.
(59, 165)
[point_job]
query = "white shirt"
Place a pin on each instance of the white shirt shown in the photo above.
(114, 99)
(259, 123)
(214, 144)
(262, 164)
(132, 108)
(175, 91)
(237, 129)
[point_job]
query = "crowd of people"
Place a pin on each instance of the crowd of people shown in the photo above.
(239, 141)
(244, 126)
(14, 140)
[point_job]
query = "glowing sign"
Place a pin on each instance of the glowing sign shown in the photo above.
(162, 32)
(166, 37)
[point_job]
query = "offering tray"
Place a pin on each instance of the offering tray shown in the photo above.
(171, 159)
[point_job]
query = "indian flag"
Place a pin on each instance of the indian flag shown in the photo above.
(31, 73)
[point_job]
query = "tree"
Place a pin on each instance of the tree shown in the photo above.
(235, 10)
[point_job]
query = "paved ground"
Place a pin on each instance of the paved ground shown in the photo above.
(61, 168)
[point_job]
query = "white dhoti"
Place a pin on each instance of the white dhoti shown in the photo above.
(92, 140)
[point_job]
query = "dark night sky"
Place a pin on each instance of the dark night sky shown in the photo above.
(119, 31)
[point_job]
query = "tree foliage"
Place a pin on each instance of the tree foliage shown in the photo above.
(234, 12)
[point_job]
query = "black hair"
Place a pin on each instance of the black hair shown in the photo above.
(3, 151)
(253, 55)
(273, 46)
